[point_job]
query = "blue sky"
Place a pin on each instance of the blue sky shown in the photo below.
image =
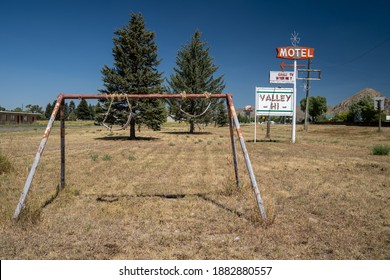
(52, 47)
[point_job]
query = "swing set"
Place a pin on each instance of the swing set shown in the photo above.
(60, 106)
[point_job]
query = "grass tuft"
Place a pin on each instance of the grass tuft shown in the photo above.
(107, 157)
(94, 157)
(380, 150)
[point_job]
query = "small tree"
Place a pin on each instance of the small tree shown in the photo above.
(134, 72)
(317, 106)
(195, 74)
(363, 110)
(220, 114)
(34, 109)
(72, 106)
(48, 110)
(82, 110)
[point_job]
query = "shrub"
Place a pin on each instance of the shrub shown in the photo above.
(380, 150)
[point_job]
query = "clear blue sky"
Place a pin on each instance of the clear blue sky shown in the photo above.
(52, 47)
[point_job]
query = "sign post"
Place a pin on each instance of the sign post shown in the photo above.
(294, 120)
(379, 104)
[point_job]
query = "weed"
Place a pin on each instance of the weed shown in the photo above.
(94, 157)
(107, 157)
(380, 150)
(131, 158)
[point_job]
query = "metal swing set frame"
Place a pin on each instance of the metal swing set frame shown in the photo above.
(60, 106)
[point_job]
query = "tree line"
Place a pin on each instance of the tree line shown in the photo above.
(362, 110)
(83, 111)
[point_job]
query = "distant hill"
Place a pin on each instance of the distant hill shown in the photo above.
(344, 105)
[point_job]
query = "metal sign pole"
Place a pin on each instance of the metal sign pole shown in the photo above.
(254, 138)
(294, 120)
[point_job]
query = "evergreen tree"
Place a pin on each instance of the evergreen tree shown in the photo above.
(72, 106)
(194, 74)
(92, 112)
(82, 110)
(134, 72)
(220, 115)
(48, 110)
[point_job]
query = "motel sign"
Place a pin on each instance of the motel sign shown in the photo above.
(295, 53)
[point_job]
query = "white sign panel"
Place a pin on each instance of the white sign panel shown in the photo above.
(382, 102)
(281, 77)
(274, 101)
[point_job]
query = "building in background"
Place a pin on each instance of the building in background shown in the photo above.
(17, 117)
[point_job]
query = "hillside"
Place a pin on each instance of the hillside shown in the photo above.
(345, 104)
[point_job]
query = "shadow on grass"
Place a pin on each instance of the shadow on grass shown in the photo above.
(186, 133)
(126, 138)
(264, 141)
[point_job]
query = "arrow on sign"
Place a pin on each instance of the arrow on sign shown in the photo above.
(282, 65)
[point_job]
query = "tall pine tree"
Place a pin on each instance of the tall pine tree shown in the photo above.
(134, 72)
(194, 74)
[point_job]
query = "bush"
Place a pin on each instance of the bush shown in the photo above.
(380, 150)
(5, 164)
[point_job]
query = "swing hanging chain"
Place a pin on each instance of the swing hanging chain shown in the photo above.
(119, 97)
(183, 95)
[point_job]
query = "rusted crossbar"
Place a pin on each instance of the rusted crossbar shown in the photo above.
(60, 106)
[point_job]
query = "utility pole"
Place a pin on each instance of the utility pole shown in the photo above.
(379, 113)
(306, 125)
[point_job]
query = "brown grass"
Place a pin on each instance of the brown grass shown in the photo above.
(171, 195)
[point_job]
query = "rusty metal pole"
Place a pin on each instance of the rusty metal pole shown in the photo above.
(37, 157)
(247, 160)
(62, 116)
(234, 150)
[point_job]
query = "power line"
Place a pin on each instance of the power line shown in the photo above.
(361, 55)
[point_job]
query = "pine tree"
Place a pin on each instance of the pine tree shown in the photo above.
(194, 74)
(134, 72)
(48, 110)
(82, 110)
(72, 106)
(53, 105)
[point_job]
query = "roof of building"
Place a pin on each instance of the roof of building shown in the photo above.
(20, 113)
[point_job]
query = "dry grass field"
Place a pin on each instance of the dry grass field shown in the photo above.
(171, 195)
